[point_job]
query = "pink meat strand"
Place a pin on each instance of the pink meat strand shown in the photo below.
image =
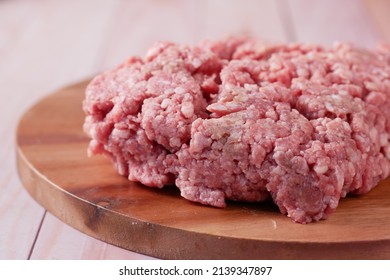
(241, 120)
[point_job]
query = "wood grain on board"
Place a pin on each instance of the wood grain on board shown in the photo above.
(87, 194)
(45, 45)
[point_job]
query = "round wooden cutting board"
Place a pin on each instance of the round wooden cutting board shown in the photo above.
(89, 195)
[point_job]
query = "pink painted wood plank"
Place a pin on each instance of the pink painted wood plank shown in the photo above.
(323, 22)
(43, 45)
(132, 27)
(60, 241)
(20, 216)
(380, 13)
(258, 18)
(138, 24)
(57, 240)
(47, 44)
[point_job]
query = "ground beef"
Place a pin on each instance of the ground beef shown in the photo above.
(240, 120)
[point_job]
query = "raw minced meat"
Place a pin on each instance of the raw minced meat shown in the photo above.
(240, 120)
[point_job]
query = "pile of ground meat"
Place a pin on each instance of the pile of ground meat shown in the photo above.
(241, 120)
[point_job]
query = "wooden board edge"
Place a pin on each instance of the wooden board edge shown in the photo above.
(168, 243)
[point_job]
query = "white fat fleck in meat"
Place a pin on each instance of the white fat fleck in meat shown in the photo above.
(321, 169)
(196, 63)
(179, 90)
(241, 120)
(165, 103)
(121, 133)
(329, 106)
(169, 91)
(373, 133)
(383, 139)
(343, 92)
(187, 110)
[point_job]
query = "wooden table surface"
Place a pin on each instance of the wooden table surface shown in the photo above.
(48, 44)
